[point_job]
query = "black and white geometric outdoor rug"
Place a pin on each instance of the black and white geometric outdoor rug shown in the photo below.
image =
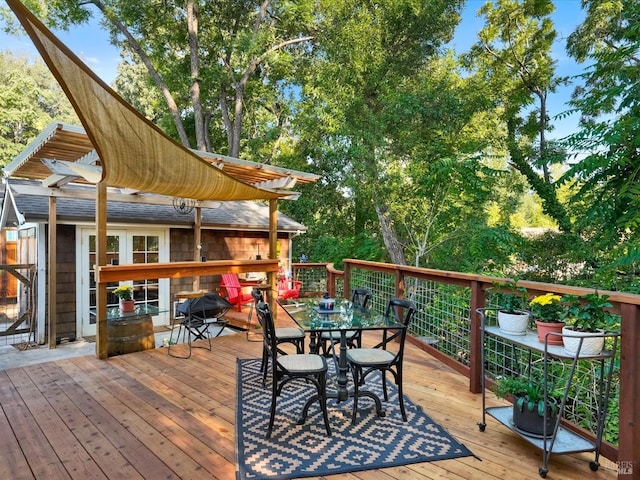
(295, 451)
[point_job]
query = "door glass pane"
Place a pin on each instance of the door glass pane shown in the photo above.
(145, 248)
(113, 257)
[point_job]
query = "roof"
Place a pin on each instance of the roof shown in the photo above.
(236, 215)
(70, 143)
(122, 148)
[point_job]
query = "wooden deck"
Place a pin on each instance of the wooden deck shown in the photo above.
(146, 415)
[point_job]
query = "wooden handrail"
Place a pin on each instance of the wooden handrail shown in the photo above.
(145, 271)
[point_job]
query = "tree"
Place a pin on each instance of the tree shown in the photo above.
(609, 102)
(513, 53)
(363, 55)
(30, 99)
(211, 60)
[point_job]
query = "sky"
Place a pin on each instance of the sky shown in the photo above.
(91, 44)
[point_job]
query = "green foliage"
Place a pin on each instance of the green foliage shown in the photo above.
(513, 55)
(30, 99)
(510, 297)
(529, 393)
(334, 249)
(588, 313)
(611, 425)
(609, 102)
(553, 257)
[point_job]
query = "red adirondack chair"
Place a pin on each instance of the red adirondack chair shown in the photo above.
(288, 288)
(231, 283)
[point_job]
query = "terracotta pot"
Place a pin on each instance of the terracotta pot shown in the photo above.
(546, 327)
(127, 306)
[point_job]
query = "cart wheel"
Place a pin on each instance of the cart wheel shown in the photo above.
(543, 472)
(482, 426)
(594, 466)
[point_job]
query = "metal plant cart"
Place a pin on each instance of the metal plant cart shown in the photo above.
(561, 440)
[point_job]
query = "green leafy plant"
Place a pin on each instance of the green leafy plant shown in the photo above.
(510, 297)
(528, 393)
(588, 313)
(548, 308)
(123, 292)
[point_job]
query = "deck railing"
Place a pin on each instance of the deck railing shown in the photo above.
(448, 327)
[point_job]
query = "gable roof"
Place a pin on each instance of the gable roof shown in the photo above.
(23, 203)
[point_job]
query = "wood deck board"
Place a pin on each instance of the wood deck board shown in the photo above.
(14, 464)
(98, 433)
(149, 415)
(168, 421)
(77, 462)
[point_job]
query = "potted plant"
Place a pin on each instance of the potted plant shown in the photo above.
(531, 411)
(549, 312)
(125, 294)
(513, 319)
(587, 319)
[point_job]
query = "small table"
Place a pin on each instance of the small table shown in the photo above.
(129, 332)
(310, 318)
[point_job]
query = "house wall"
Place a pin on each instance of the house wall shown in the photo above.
(66, 283)
(220, 245)
(216, 245)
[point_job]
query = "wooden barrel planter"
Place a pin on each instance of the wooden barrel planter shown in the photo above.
(130, 334)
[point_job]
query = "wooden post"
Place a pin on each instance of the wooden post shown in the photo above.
(52, 296)
(197, 244)
(629, 427)
(475, 340)
(273, 254)
(346, 281)
(101, 259)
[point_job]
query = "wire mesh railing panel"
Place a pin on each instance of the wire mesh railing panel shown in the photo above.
(17, 306)
(313, 278)
(15, 329)
(381, 284)
(442, 319)
(339, 284)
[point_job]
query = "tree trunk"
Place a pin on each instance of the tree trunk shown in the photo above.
(389, 235)
(543, 141)
(194, 90)
(234, 146)
(135, 46)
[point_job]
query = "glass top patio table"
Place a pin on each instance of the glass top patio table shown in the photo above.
(114, 313)
(345, 317)
(307, 313)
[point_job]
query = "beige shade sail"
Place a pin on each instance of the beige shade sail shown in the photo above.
(133, 152)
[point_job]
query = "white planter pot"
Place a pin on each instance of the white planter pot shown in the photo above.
(592, 342)
(513, 323)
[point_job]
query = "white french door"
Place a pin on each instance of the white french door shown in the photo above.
(123, 246)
